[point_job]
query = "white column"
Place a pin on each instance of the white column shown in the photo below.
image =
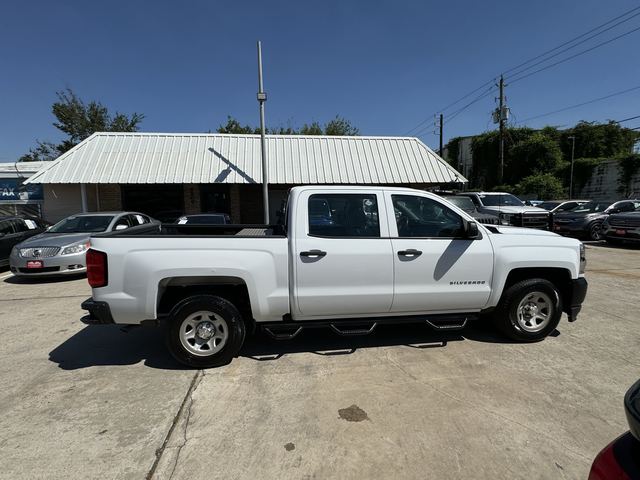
(83, 196)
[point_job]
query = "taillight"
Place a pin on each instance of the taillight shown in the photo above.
(97, 268)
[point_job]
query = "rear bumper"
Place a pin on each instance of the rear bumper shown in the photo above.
(99, 313)
(576, 295)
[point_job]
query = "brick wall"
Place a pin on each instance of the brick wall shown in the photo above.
(191, 199)
(110, 197)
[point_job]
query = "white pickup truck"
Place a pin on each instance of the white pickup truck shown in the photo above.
(346, 257)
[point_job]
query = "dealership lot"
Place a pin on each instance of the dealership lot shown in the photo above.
(96, 402)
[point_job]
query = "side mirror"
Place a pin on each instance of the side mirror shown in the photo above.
(120, 227)
(471, 230)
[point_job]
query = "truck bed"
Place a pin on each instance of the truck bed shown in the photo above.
(176, 230)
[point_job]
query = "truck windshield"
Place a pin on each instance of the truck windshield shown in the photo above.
(82, 224)
(501, 199)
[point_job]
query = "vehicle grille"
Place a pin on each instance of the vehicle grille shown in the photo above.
(39, 252)
(539, 221)
(489, 220)
(624, 222)
(39, 270)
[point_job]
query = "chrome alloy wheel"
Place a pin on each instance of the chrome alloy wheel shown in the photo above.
(204, 333)
(534, 311)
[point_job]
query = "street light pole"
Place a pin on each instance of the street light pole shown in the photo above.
(262, 97)
(573, 149)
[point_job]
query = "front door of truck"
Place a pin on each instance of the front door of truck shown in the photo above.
(436, 269)
(343, 261)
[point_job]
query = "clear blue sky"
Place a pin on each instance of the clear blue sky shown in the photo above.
(384, 65)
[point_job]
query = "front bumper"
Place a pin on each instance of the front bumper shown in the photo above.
(56, 265)
(625, 234)
(577, 229)
(99, 313)
(575, 296)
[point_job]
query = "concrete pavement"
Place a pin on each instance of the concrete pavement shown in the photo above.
(93, 402)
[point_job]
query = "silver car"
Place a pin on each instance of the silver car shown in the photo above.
(61, 249)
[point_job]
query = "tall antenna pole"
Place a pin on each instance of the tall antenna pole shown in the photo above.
(502, 118)
(262, 97)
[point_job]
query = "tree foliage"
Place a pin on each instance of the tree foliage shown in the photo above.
(338, 126)
(79, 120)
(545, 186)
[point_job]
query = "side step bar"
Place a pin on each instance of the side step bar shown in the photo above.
(349, 327)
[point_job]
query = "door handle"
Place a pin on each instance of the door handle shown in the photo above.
(313, 253)
(412, 252)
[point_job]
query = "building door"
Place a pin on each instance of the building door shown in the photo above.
(164, 202)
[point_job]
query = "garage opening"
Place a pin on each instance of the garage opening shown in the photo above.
(163, 202)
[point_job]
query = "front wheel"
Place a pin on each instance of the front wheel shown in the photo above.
(205, 331)
(595, 231)
(529, 310)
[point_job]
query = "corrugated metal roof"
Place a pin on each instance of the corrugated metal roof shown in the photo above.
(223, 158)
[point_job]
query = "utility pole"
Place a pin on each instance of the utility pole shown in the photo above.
(501, 117)
(441, 126)
(262, 97)
(573, 149)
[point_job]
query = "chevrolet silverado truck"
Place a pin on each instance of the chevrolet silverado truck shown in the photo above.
(347, 258)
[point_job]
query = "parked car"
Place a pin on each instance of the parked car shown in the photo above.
(466, 204)
(61, 248)
(533, 203)
(557, 206)
(586, 220)
(510, 209)
(389, 255)
(620, 228)
(621, 458)
(205, 219)
(16, 229)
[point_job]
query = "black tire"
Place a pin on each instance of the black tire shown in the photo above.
(230, 326)
(506, 315)
(595, 231)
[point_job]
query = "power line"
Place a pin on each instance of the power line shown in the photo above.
(581, 104)
(517, 79)
(627, 119)
(577, 38)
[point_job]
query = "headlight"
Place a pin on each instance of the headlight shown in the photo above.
(78, 248)
(583, 258)
(505, 218)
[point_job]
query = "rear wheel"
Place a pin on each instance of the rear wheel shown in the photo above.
(529, 310)
(205, 331)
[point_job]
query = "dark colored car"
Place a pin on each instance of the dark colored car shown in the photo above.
(622, 228)
(621, 458)
(14, 230)
(558, 206)
(586, 220)
(466, 204)
(205, 219)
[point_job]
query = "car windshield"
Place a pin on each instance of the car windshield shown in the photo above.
(501, 199)
(591, 207)
(202, 220)
(82, 224)
(549, 205)
(464, 203)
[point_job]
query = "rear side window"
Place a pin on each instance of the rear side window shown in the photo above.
(19, 226)
(343, 215)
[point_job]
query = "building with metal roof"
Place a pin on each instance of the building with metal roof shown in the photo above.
(210, 172)
(16, 197)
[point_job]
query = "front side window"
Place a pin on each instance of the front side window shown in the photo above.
(424, 217)
(343, 215)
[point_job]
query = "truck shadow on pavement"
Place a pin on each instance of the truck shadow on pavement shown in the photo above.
(108, 345)
(31, 280)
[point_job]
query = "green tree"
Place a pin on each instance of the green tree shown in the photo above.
(337, 126)
(594, 140)
(79, 120)
(544, 185)
(538, 153)
(340, 126)
(234, 126)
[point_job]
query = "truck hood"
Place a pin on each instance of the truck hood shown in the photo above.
(524, 231)
(513, 209)
(55, 239)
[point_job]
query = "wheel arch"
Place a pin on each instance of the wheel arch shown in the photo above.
(559, 277)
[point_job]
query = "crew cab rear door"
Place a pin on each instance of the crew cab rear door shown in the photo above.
(342, 258)
(436, 269)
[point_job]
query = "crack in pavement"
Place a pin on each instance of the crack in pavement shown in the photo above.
(188, 399)
(487, 410)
